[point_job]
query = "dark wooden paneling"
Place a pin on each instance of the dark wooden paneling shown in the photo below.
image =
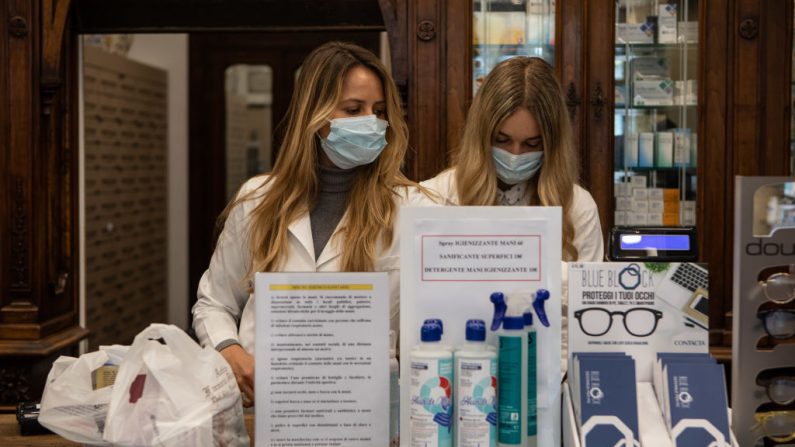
(715, 146)
(597, 107)
(570, 72)
(102, 16)
(458, 76)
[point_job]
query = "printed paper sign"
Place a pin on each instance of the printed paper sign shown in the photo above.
(322, 376)
(640, 309)
(481, 257)
(453, 259)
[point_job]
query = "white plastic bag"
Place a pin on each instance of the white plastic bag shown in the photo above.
(70, 406)
(174, 393)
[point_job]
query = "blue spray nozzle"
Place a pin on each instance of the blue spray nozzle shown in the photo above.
(436, 321)
(538, 304)
(476, 330)
(498, 298)
(528, 318)
(431, 332)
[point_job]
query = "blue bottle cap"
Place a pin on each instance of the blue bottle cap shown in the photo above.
(528, 318)
(476, 330)
(437, 321)
(498, 299)
(513, 323)
(538, 304)
(430, 332)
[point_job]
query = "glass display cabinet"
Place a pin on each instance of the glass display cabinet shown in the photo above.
(505, 28)
(655, 113)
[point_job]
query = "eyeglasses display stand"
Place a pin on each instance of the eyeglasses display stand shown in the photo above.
(756, 250)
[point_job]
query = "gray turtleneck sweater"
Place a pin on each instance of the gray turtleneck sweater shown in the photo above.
(334, 184)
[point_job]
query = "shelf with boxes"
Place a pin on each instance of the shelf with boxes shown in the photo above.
(656, 113)
(637, 204)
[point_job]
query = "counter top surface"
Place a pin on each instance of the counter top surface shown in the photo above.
(10, 437)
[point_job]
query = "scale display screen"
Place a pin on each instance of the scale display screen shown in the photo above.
(653, 244)
(678, 242)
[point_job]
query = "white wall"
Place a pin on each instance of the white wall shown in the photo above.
(170, 52)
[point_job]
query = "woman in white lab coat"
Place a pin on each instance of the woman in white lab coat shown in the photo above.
(330, 204)
(517, 150)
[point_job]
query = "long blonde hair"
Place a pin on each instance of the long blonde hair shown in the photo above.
(291, 189)
(527, 82)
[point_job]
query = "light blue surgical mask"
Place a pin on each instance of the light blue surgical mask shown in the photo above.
(513, 169)
(355, 141)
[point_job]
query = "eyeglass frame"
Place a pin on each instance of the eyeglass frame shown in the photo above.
(766, 377)
(763, 284)
(761, 417)
(658, 315)
(762, 314)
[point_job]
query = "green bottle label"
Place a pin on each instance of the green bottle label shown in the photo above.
(532, 409)
(509, 399)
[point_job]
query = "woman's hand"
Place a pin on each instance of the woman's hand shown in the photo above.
(242, 364)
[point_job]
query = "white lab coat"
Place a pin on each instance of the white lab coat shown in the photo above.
(587, 236)
(223, 298)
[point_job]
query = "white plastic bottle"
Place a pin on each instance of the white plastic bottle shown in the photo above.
(431, 391)
(394, 392)
(475, 389)
(511, 368)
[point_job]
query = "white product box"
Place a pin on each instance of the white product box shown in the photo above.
(682, 145)
(646, 150)
(656, 194)
(638, 181)
(634, 32)
(640, 193)
(653, 92)
(621, 218)
(694, 150)
(640, 206)
(649, 67)
(666, 23)
(688, 205)
(620, 99)
(622, 189)
(688, 216)
(631, 150)
(655, 219)
(665, 150)
(687, 32)
(623, 203)
(657, 206)
(639, 218)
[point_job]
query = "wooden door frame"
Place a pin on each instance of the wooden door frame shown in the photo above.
(209, 56)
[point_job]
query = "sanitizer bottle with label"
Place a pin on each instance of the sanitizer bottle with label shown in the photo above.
(512, 371)
(431, 391)
(394, 392)
(475, 389)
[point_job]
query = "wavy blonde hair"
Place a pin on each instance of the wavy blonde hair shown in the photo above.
(527, 82)
(291, 189)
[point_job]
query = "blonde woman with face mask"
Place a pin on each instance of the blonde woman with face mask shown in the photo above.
(517, 150)
(330, 204)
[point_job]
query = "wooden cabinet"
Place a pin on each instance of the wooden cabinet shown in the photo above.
(38, 201)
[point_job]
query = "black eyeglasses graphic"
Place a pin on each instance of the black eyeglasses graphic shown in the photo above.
(779, 383)
(639, 321)
(778, 323)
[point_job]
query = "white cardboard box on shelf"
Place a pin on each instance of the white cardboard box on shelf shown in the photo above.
(621, 218)
(639, 206)
(640, 193)
(666, 23)
(646, 150)
(622, 189)
(638, 218)
(634, 33)
(631, 151)
(653, 92)
(651, 425)
(657, 206)
(655, 219)
(623, 203)
(639, 181)
(656, 194)
(665, 150)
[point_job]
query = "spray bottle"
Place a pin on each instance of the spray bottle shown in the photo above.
(431, 391)
(512, 371)
(475, 389)
(394, 392)
(532, 381)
